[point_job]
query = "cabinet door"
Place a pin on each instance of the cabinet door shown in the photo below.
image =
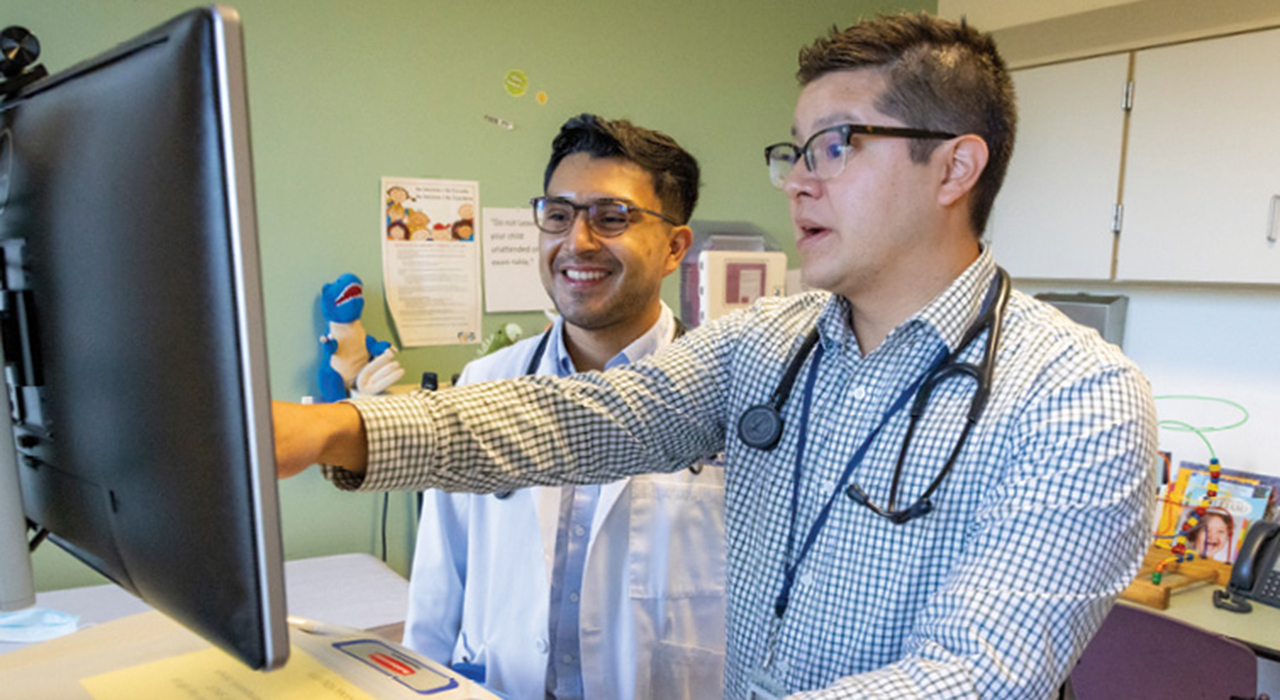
(1204, 163)
(1053, 218)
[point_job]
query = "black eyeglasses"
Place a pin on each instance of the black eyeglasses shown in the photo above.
(606, 217)
(827, 151)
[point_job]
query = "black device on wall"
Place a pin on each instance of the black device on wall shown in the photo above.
(1256, 573)
(134, 334)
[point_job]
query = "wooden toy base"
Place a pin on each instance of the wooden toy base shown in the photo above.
(1176, 577)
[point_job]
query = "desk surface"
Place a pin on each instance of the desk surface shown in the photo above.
(154, 652)
(351, 590)
(1259, 629)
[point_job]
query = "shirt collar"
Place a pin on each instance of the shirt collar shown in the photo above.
(949, 314)
(652, 340)
(952, 312)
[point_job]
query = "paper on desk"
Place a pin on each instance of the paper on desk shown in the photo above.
(213, 675)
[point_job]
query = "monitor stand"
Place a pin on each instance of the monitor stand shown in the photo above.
(17, 590)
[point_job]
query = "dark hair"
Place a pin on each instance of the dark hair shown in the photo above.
(941, 76)
(674, 171)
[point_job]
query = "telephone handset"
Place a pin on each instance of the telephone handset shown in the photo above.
(1256, 573)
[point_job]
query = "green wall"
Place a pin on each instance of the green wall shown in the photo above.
(343, 93)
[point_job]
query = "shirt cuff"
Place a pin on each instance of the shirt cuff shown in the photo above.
(400, 437)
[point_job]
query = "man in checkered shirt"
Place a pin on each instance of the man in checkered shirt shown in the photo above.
(843, 582)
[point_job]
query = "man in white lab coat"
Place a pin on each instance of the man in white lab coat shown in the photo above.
(598, 592)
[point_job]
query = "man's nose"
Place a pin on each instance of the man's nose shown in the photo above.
(800, 180)
(580, 236)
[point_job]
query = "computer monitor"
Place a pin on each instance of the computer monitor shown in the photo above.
(133, 329)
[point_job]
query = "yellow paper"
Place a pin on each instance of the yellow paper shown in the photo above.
(213, 675)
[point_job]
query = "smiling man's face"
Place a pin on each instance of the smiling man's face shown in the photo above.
(597, 282)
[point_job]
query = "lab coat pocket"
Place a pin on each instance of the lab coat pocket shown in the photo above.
(686, 673)
(677, 547)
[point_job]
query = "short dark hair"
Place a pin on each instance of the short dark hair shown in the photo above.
(941, 76)
(674, 171)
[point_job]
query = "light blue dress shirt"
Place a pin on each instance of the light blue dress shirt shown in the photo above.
(577, 511)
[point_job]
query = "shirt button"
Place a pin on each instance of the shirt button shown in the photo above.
(579, 530)
(859, 392)
(567, 658)
(542, 646)
(574, 597)
(806, 580)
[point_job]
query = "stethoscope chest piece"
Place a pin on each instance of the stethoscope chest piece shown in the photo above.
(760, 427)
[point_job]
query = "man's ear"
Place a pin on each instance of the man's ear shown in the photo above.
(965, 159)
(680, 242)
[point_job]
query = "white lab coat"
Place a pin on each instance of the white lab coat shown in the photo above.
(652, 617)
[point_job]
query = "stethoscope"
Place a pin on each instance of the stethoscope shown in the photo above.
(760, 426)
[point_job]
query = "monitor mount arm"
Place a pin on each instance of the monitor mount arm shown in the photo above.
(19, 50)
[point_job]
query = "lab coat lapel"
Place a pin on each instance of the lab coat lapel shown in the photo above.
(546, 499)
(609, 494)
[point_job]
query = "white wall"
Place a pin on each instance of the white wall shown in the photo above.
(1208, 341)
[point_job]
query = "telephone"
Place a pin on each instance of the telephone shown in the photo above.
(1256, 573)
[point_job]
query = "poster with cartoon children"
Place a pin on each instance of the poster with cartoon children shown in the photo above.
(430, 259)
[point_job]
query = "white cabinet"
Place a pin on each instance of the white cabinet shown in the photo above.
(1198, 172)
(1054, 216)
(1203, 171)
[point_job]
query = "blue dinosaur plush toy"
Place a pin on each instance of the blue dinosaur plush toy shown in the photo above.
(352, 362)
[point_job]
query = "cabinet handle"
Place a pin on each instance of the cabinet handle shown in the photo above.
(1274, 223)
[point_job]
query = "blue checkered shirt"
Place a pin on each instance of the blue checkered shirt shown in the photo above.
(1041, 524)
